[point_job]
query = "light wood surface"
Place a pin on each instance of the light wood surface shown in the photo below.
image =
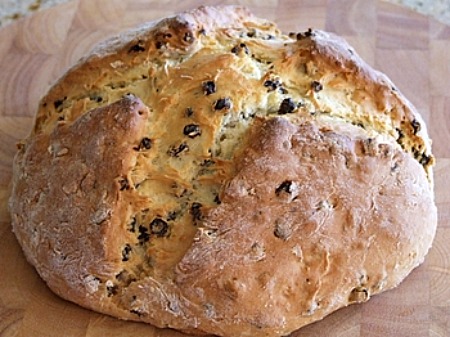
(412, 49)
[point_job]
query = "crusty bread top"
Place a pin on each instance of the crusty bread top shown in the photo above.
(366, 97)
(210, 174)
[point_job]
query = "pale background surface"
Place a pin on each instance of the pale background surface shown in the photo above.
(10, 10)
(411, 48)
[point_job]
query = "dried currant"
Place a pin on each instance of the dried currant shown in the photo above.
(240, 47)
(132, 225)
(416, 126)
(196, 210)
(112, 290)
(285, 186)
(272, 85)
(308, 33)
(188, 37)
(136, 312)
(124, 184)
(209, 87)
(176, 151)
(316, 86)
(136, 48)
(145, 144)
(159, 227)
(126, 252)
(59, 102)
(424, 159)
(400, 133)
(287, 106)
(143, 236)
(217, 200)
(222, 103)
(192, 130)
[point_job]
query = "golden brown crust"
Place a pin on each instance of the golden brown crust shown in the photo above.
(286, 217)
(254, 183)
(373, 90)
(72, 185)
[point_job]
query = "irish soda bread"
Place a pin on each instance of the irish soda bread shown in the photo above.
(210, 174)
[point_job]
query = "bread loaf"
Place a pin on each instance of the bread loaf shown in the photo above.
(209, 174)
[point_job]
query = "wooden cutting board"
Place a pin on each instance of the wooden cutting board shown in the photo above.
(412, 49)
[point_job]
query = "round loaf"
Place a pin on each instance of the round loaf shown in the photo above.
(209, 174)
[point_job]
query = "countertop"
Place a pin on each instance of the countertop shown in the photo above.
(11, 10)
(410, 47)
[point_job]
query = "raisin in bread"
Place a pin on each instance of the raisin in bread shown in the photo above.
(210, 174)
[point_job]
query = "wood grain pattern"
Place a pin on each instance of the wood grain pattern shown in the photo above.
(412, 49)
